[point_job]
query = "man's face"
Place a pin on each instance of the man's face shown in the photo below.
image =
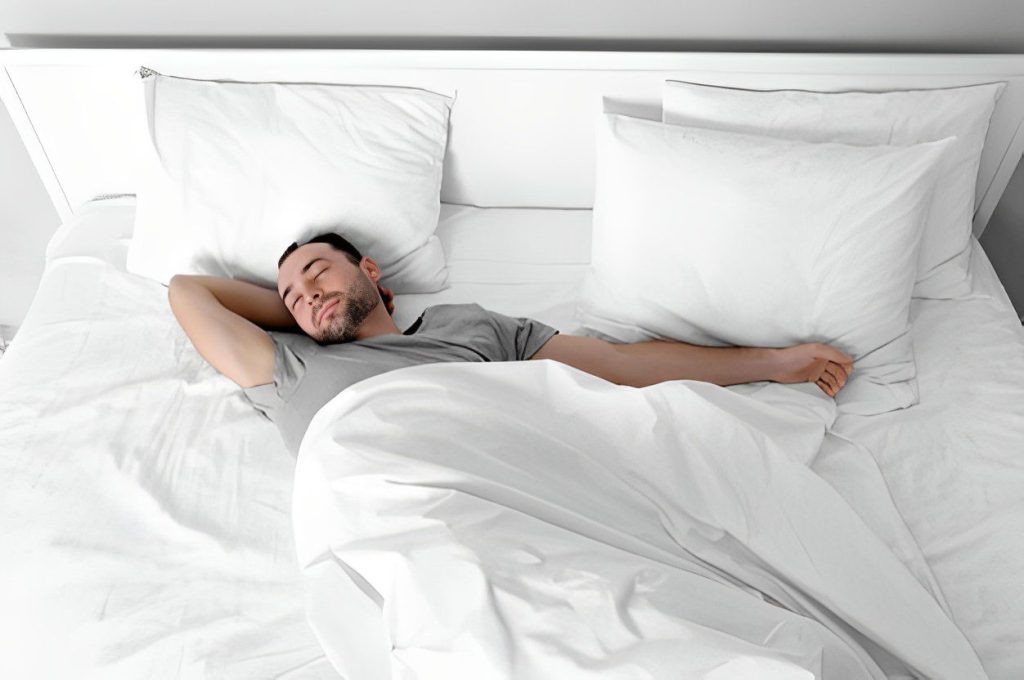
(315, 277)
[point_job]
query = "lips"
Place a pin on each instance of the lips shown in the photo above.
(327, 308)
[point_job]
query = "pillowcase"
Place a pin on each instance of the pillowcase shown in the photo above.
(236, 172)
(722, 238)
(869, 118)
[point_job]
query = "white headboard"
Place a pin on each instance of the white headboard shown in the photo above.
(522, 127)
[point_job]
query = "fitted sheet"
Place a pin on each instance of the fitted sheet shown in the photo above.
(142, 477)
(954, 463)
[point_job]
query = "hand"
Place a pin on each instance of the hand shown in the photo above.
(388, 296)
(815, 362)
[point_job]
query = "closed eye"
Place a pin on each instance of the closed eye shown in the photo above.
(314, 278)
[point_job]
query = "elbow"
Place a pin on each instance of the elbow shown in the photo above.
(175, 283)
(180, 281)
(176, 287)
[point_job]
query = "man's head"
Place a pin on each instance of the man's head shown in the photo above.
(328, 270)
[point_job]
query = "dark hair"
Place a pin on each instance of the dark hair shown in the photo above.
(337, 241)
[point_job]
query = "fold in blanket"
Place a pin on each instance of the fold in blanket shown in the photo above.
(529, 520)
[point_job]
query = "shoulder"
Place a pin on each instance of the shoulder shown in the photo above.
(457, 317)
(458, 309)
(455, 305)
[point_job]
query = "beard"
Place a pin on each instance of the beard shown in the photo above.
(343, 325)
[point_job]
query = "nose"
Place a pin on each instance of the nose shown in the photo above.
(311, 291)
(311, 298)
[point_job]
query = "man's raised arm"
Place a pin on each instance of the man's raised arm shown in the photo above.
(225, 320)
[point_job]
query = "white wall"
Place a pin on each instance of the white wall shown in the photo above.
(28, 220)
(903, 25)
(1003, 240)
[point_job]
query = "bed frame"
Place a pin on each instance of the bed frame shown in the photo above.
(522, 128)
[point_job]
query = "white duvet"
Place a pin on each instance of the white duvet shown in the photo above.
(528, 520)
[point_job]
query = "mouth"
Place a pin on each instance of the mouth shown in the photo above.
(323, 312)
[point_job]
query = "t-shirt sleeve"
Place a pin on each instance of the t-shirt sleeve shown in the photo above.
(269, 398)
(520, 337)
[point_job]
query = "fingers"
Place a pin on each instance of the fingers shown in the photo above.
(839, 357)
(837, 374)
(388, 296)
(832, 378)
(814, 370)
(820, 377)
(827, 389)
(829, 382)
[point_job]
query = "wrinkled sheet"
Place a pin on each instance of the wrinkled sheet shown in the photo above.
(529, 520)
(145, 528)
(955, 462)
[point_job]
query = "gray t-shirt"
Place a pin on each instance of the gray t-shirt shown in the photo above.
(307, 375)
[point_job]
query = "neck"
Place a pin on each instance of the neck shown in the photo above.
(379, 322)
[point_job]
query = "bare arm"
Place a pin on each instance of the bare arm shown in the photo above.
(646, 363)
(262, 306)
(225, 320)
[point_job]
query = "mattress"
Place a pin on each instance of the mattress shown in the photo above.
(147, 507)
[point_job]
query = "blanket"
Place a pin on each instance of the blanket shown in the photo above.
(522, 520)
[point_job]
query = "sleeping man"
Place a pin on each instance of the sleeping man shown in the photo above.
(331, 293)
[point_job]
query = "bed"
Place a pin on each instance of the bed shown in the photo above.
(155, 525)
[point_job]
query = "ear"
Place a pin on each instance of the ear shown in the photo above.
(371, 268)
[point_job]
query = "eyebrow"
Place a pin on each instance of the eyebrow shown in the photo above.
(284, 295)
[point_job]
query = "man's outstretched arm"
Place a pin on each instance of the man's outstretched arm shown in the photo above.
(641, 364)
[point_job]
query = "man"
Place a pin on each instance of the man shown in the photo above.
(332, 294)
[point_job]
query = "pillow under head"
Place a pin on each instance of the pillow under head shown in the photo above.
(722, 238)
(237, 171)
(869, 118)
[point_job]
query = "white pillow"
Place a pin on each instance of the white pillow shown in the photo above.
(238, 171)
(722, 238)
(868, 118)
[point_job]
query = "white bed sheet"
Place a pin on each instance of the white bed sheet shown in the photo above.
(145, 516)
(136, 530)
(954, 462)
